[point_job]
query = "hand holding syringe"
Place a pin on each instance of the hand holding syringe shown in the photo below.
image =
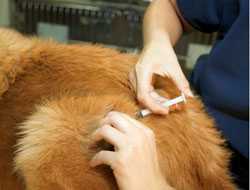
(146, 112)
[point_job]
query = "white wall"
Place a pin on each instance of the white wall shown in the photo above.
(4, 13)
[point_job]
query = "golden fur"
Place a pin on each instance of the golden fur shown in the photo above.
(52, 97)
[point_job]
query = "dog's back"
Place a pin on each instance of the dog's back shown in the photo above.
(60, 93)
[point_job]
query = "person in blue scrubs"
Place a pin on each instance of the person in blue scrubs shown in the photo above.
(220, 78)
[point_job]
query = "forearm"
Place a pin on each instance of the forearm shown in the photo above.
(162, 23)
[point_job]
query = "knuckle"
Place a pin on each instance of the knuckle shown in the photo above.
(113, 115)
(104, 129)
(141, 98)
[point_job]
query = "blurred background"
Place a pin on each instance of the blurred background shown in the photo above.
(115, 23)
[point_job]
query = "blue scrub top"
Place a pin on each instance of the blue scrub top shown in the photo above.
(221, 77)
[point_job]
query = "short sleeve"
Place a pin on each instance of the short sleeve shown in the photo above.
(209, 15)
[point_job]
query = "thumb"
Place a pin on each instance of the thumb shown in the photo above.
(144, 91)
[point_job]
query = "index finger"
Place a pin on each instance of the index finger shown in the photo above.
(144, 91)
(118, 121)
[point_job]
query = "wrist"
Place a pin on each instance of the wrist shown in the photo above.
(158, 38)
(158, 46)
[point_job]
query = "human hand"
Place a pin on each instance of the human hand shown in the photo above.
(134, 162)
(157, 58)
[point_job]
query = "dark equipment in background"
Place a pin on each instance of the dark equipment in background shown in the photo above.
(101, 22)
(115, 23)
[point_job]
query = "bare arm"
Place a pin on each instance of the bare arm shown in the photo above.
(161, 22)
(162, 28)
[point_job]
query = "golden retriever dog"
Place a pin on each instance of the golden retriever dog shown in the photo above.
(52, 97)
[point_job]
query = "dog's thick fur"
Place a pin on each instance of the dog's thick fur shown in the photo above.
(52, 97)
